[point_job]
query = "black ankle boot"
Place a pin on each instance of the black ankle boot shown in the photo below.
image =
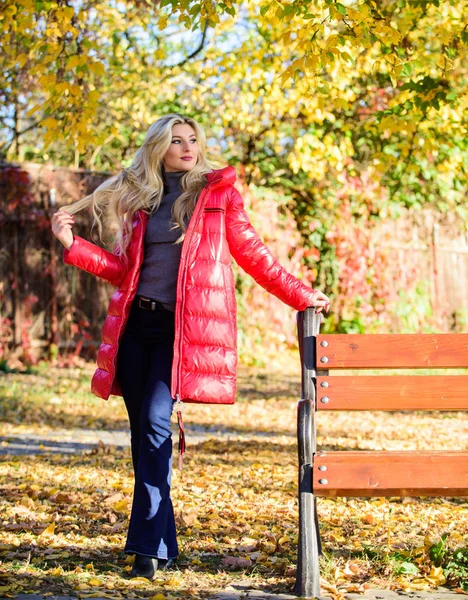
(164, 564)
(144, 566)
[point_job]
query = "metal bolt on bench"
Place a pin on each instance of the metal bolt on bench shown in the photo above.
(363, 473)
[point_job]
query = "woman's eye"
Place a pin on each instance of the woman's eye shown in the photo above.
(175, 141)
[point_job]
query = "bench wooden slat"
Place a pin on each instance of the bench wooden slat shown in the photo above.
(387, 392)
(392, 351)
(368, 474)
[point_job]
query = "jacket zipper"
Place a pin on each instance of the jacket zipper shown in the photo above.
(175, 375)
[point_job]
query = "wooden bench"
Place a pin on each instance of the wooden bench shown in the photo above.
(366, 474)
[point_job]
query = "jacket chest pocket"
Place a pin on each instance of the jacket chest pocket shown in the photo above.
(214, 220)
(214, 232)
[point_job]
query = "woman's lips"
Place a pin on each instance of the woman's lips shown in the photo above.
(186, 158)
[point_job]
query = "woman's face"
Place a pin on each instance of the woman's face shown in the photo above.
(184, 143)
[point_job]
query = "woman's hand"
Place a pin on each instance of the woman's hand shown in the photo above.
(61, 227)
(320, 301)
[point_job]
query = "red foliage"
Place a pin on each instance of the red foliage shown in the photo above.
(18, 199)
(365, 287)
(267, 326)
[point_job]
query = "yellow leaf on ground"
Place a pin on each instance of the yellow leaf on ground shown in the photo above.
(120, 506)
(82, 586)
(369, 519)
(28, 502)
(436, 576)
(173, 581)
(139, 581)
(49, 530)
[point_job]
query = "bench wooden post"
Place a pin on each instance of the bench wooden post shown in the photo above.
(309, 547)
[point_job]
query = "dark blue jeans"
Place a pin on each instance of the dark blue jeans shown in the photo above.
(144, 365)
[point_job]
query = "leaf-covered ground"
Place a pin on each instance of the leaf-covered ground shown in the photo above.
(64, 516)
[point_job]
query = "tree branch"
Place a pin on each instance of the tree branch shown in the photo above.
(196, 51)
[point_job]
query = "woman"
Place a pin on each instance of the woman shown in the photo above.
(170, 333)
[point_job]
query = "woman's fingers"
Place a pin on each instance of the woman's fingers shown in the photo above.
(320, 302)
(62, 227)
(63, 217)
(321, 307)
(62, 220)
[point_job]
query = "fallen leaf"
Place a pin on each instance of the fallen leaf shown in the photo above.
(28, 502)
(236, 562)
(49, 530)
(369, 519)
(436, 576)
(121, 505)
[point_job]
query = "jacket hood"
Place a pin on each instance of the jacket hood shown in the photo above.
(226, 175)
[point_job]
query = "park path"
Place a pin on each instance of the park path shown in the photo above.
(69, 441)
(242, 592)
(66, 441)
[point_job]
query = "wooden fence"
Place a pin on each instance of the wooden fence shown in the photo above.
(432, 248)
(43, 303)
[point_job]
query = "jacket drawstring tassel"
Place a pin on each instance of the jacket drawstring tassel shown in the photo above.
(181, 438)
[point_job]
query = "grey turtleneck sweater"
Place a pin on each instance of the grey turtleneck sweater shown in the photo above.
(158, 277)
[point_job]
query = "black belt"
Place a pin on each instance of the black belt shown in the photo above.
(148, 304)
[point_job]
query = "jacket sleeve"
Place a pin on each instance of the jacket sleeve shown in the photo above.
(95, 260)
(255, 258)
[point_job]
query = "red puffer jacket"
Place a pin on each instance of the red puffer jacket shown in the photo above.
(205, 346)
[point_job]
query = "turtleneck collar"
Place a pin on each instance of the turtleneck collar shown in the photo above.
(172, 180)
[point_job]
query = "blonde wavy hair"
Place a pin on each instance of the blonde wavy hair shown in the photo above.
(141, 186)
